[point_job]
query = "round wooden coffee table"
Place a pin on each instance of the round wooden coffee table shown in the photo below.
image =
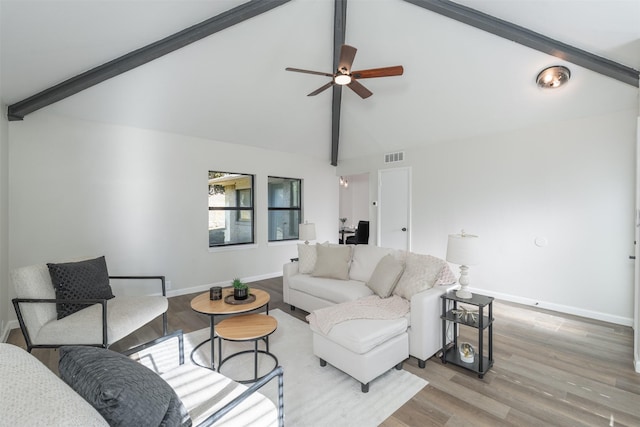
(202, 304)
(247, 327)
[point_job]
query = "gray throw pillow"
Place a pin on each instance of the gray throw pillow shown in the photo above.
(123, 391)
(87, 279)
(385, 276)
(332, 262)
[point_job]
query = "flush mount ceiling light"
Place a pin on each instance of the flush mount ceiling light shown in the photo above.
(553, 77)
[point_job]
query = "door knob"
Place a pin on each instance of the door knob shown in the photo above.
(404, 228)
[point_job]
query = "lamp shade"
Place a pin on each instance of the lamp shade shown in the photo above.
(463, 249)
(307, 231)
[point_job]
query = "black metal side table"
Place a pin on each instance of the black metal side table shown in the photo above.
(481, 320)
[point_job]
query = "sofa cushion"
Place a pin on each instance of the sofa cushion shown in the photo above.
(333, 290)
(365, 259)
(362, 335)
(420, 273)
(307, 257)
(123, 391)
(332, 262)
(386, 276)
(86, 279)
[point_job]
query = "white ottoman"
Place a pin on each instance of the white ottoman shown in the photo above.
(364, 348)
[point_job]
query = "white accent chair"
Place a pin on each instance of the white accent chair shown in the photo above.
(101, 324)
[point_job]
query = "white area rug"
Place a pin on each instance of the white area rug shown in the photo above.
(313, 395)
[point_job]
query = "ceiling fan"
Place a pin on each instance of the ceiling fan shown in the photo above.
(344, 75)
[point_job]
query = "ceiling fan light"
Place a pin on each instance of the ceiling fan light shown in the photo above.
(342, 79)
(553, 77)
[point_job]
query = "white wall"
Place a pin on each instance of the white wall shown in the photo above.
(572, 184)
(140, 198)
(5, 304)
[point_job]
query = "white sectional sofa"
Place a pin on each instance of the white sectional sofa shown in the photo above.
(424, 280)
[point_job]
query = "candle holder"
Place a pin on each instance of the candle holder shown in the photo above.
(215, 293)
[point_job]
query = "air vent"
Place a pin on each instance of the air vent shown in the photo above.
(394, 157)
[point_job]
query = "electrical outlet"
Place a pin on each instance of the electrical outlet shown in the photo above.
(167, 284)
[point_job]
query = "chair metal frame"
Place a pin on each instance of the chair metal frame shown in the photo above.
(277, 372)
(103, 302)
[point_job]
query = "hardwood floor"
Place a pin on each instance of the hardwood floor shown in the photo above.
(550, 369)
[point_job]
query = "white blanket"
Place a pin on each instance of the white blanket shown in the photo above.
(371, 307)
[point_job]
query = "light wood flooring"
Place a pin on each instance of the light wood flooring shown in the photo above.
(550, 369)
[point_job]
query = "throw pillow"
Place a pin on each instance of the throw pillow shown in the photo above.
(332, 262)
(420, 273)
(306, 258)
(386, 276)
(125, 392)
(87, 279)
(364, 260)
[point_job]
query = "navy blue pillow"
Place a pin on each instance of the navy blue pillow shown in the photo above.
(123, 391)
(87, 279)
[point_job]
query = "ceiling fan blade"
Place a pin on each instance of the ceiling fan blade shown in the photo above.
(347, 55)
(359, 89)
(396, 70)
(298, 70)
(320, 89)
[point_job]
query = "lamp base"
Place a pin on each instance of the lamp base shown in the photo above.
(463, 293)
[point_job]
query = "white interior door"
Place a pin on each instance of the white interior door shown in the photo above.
(394, 207)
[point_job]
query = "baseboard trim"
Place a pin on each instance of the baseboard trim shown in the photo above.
(8, 326)
(618, 320)
(206, 286)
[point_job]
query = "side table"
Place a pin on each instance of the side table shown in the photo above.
(455, 315)
(202, 304)
(247, 327)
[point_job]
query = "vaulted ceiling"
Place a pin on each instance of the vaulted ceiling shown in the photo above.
(459, 81)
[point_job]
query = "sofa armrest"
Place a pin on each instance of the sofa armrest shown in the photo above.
(425, 335)
(288, 270)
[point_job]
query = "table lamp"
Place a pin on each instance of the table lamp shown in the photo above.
(307, 232)
(463, 249)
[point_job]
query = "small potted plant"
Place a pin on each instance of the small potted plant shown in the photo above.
(240, 289)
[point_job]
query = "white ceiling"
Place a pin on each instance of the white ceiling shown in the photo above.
(458, 82)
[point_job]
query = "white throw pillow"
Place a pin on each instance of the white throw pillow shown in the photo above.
(364, 261)
(332, 262)
(420, 273)
(306, 258)
(386, 276)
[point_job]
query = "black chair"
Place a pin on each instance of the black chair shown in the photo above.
(362, 234)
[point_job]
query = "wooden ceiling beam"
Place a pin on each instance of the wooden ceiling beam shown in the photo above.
(531, 39)
(140, 57)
